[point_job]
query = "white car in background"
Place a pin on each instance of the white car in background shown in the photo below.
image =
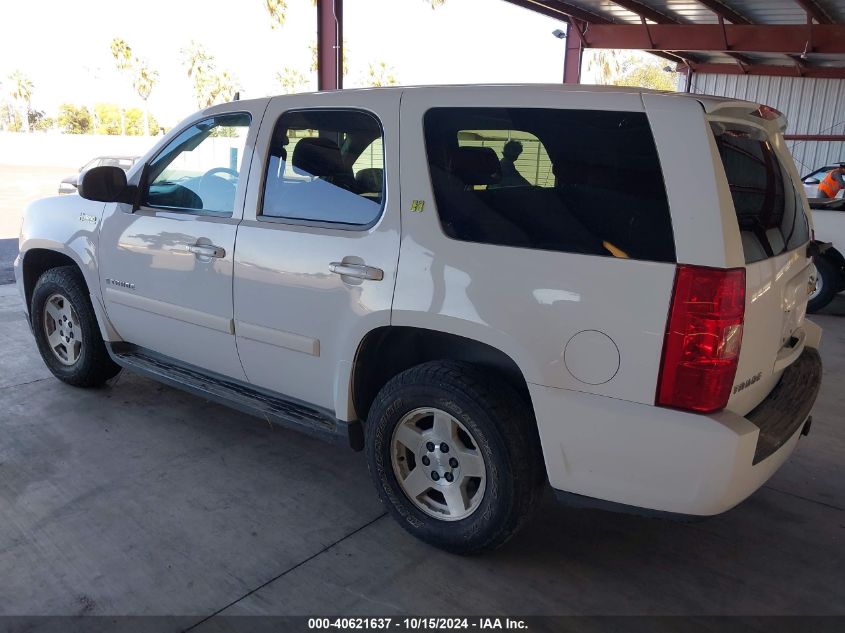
(626, 322)
(70, 183)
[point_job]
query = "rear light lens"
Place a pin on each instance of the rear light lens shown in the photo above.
(703, 338)
(767, 112)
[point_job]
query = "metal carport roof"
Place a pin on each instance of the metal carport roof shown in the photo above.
(801, 38)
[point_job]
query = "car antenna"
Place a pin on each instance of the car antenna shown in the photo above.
(237, 96)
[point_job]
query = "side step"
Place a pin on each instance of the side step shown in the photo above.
(286, 412)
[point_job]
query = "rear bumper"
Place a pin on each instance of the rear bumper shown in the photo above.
(670, 461)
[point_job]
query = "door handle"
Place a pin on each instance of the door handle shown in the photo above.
(207, 250)
(358, 271)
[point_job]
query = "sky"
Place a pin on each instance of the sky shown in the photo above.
(64, 47)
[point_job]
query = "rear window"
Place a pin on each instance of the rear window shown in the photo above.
(768, 208)
(578, 181)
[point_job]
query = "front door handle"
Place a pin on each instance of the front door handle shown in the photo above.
(358, 271)
(207, 250)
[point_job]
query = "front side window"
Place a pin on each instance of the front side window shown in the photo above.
(198, 171)
(769, 209)
(576, 181)
(325, 166)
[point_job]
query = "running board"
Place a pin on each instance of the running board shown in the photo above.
(289, 413)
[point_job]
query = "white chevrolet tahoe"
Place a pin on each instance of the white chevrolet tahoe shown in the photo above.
(484, 287)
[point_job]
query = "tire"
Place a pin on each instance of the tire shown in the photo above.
(487, 420)
(828, 283)
(60, 304)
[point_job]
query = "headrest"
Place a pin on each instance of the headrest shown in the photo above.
(317, 156)
(476, 165)
(369, 180)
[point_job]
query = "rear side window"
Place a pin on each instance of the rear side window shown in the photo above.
(578, 181)
(325, 167)
(768, 208)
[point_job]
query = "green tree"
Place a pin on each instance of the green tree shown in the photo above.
(138, 70)
(21, 93)
(145, 79)
(436, 3)
(73, 119)
(291, 81)
(650, 75)
(210, 86)
(380, 74)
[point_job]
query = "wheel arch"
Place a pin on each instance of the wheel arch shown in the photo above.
(37, 260)
(387, 351)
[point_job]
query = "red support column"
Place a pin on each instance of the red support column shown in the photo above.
(329, 44)
(574, 52)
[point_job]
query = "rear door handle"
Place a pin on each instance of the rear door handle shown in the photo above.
(207, 250)
(358, 271)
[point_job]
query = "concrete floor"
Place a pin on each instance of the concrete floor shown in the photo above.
(139, 499)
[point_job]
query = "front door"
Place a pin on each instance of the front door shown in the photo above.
(166, 267)
(317, 249)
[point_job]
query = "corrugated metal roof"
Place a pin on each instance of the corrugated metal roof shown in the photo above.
(758, 11)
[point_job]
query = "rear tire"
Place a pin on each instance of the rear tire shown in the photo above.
(828, 283)
(66, 330)
(454, 453)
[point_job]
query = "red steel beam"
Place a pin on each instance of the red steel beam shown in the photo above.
(329, 44)
(815, 11)
(818, 72)
(724, 12)
(574, 55)
(776, 38)
(824, 138)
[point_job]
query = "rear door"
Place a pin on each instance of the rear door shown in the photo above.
(772, 218)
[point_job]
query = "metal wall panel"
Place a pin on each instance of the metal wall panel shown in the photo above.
(812, 106)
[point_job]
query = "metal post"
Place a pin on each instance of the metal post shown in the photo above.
(329, 44)
(574, 52)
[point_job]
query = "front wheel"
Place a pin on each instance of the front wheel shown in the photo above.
(454, 454)
(66, 329)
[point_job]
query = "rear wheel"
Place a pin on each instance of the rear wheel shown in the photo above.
(66, 329)
(828, 282)
(454, 454)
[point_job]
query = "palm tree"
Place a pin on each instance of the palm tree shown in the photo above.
(145, 79)
(122, 54)
(21, 92)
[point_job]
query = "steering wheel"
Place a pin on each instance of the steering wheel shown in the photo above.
(217, 193)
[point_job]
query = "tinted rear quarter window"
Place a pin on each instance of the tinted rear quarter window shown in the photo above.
(578, 181)
(769, 209)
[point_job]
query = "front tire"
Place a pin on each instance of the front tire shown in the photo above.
(66, 329)
(454, 454)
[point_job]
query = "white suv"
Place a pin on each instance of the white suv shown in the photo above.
(484, 286)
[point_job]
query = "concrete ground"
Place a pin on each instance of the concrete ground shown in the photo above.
(139, 499)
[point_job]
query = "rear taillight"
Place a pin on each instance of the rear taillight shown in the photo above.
(703, 337)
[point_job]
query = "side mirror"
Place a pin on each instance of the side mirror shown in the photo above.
(103, 184)
(812, 181)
